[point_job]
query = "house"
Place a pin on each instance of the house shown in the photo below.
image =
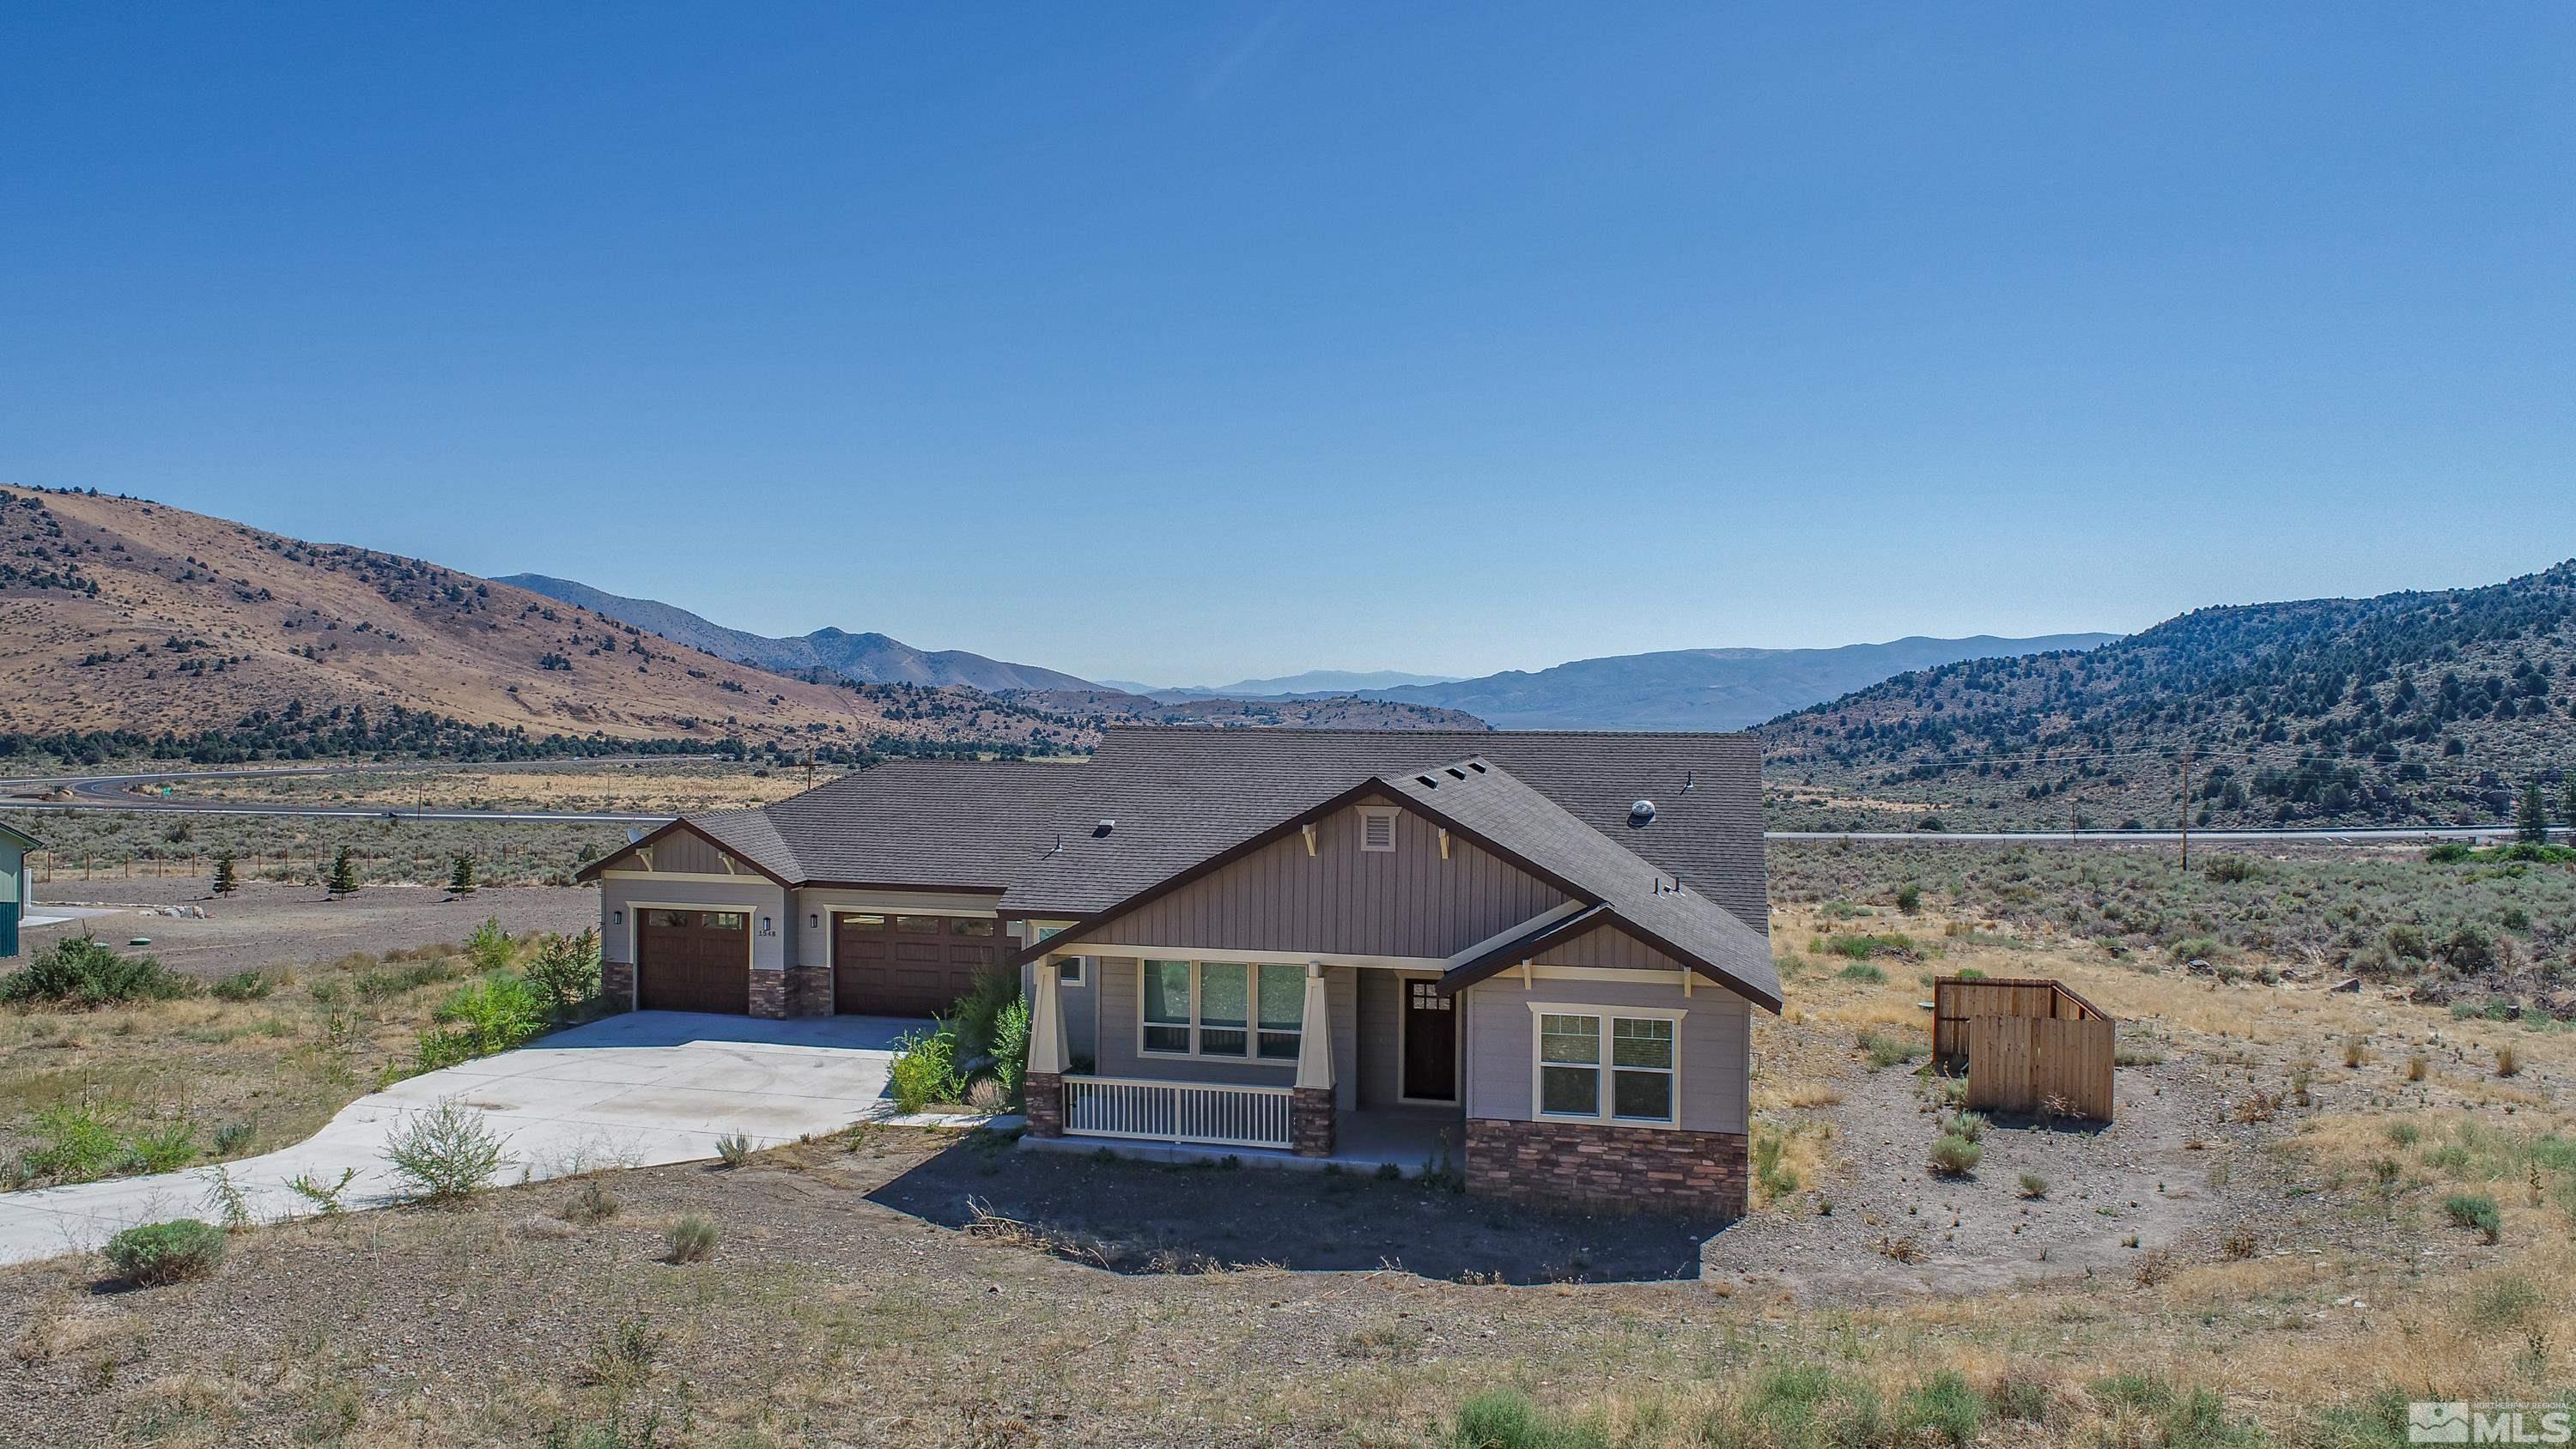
(1540, 950)
(17, 884)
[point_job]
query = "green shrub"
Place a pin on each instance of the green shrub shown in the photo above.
(2474, 1210)
(733, 1149)
(1955, 1156)
(1970, 973)
(1862, 948)
(75, 1144)
(1010, 1046)
(171, 1252)
(2229, 869)
(2447, 852)
(2033, 1185)
(1971, 1125)
(1506, 1419)
(82, 972)
(494, 1013)
(690, 1239)
(1887, 1049)
(445, 1153)
(244, 986)
(925, 1068)
(2405, 941)
(1863, 971)
(489, 947)
(1909, 898)
(165, 1149)
(564, 973)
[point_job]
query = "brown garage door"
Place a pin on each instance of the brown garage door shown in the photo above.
(908, 965)
(694, 961)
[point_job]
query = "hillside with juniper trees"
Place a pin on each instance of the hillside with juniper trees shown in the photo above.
(2417, 708)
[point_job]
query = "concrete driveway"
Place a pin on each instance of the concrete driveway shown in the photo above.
(630, 1091)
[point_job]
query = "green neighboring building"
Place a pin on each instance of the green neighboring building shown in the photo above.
(17, 884)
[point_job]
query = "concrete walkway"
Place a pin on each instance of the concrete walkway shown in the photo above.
(635, 1090)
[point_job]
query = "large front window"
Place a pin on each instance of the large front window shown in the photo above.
(1222, 1009)
(1605, 1068)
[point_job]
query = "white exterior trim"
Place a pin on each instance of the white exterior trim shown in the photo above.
(1088, 947)
(635, 932)
(695, 877)
(1541, 1010)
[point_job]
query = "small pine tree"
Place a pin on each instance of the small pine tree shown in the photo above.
(225, 882)
(343, 879)
(460, 878)
(2531, 825)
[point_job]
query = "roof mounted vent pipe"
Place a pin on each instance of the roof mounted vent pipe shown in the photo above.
(1641, 813)
(1690, 781)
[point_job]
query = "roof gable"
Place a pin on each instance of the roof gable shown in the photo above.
(1180, 796)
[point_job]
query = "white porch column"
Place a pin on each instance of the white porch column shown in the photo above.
(1315, 1039)
(1046, 1023)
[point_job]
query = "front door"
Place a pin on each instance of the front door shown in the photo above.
(1430, 1043)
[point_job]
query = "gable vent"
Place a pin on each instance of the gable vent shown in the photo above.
(1377, 830)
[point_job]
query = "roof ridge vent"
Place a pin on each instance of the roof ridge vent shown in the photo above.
(1430, 784)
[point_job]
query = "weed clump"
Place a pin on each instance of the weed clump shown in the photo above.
(172, 1252)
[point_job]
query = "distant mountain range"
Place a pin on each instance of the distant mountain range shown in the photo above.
(865, 658)
(1679, 689)
(1313, 681)
(1704, 689)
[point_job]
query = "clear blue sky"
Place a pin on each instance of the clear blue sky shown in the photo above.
(1180, 342)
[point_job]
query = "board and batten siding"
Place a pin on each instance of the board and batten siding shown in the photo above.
(752, 895)
(1715, 1042)
(685, 853)
(1343, 900)
(1120, 1003)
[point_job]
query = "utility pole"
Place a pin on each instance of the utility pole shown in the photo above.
(2186, 807)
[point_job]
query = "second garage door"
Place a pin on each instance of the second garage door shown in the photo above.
(909, 965)
(694, 961)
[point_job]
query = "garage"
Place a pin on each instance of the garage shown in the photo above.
(693, 961)
(894, 965)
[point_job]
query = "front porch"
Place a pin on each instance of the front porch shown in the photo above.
(1410, 1139)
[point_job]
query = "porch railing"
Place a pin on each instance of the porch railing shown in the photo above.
(1176, 1112)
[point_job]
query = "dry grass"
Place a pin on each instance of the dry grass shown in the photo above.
(655, 786)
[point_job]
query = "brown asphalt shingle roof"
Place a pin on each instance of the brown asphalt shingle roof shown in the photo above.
(939, 824)
(1181, 795)
(1486, 801)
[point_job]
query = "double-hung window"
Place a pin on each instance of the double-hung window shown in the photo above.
(1597, 1067)
(1222, 1009)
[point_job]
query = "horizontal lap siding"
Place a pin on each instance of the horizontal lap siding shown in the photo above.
(1343, 900)
(1119, 1005)
(1715, 1041)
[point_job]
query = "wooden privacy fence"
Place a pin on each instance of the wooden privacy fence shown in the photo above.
(2028, 1045)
